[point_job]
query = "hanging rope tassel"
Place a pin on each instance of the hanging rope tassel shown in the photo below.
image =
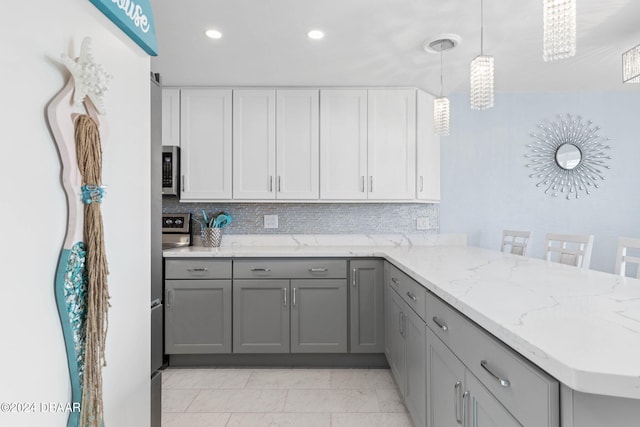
(89, 154)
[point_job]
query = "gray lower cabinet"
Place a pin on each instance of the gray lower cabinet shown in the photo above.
(261, 316)
(455, 396)
(318, 316)
(297, 306)
(394, 339)
(415, 386)
(366, 294)
(445, 384)
(405, 350)
(197, 316)
(501, 388)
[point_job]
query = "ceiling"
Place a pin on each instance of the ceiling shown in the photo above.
(379, 43)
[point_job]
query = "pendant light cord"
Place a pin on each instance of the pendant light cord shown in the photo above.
(481, 27)
(441, 84)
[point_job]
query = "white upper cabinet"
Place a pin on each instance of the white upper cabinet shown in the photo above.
(205, 140)
(297, 144)
(275, 144)
(254, 144)
(391, 144)
(171, 117)
(428, 151)
(343, 144)
(304, 144)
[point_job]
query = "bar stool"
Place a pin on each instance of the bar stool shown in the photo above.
(569, 249)
(625, 243)
(515, 242)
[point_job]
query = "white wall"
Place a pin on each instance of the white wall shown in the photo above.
(486, 187)
(33, 365)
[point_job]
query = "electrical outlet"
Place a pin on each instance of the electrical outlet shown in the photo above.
(271, 221)
(422, 223)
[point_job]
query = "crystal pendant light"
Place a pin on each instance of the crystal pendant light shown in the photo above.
(481, 93)
(631, 65)
(559, 18)
(441, 103)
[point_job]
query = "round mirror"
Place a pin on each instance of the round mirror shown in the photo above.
(568, 156)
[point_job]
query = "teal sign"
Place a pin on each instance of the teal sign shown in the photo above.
(135, 18)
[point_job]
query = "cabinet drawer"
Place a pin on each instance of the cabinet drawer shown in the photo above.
(410, 290)
(197, 269)
(530, 394)
(287, 269)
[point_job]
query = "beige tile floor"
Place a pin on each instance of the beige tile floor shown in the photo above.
(281, 397)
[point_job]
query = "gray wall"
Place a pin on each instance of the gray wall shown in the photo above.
(315, 218)
(486, 186)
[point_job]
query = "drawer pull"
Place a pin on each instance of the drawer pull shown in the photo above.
(293, 302)
(412, 296)
(440, 324)
(318, 270)
(465, 397)
(198, 269)
(501, 381)
(457, 396)
(260, 269)
(395, 281)
(354, 278)
(284, 296)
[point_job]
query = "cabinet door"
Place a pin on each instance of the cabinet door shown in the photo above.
(366, 306)
(428, 151)
(171, 117)
(484, 410)
(394, 337)
(343, 144)
(205, 140)
(261, 316)
(445, 384)
(319, 316)
(391, 144)
(254, 144)
(416, 377)
(197, 316)
(297, 144)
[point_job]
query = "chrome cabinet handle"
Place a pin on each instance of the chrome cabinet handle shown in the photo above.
(400, 323)
(278, 183)
(284, 296)
(412, 296)
(270, 183)
(318, 270)
(182, 181)
(440, 324)
(456, 400)
(363, 189)
(371, 184)
(170, 297)
(465, 396)
(503, 382)
(293, 303)
(395, 281)
(354, 277)
(198, 269)
(421, 184)
(260, 269)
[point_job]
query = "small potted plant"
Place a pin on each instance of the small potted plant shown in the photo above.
(211, 228)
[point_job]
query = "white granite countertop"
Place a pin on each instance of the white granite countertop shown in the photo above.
(582, 327)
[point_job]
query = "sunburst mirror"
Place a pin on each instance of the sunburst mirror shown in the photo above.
(568, 156)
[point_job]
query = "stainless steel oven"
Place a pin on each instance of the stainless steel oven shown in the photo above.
(170, 170)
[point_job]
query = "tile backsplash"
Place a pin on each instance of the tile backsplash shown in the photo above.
(315, 218)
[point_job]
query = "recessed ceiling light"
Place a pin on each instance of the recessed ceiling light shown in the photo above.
(213, 34)
(315, 34)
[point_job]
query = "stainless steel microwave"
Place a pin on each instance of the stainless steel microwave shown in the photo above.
(170, 170)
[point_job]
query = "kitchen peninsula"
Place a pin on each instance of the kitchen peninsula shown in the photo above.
(581, 327)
